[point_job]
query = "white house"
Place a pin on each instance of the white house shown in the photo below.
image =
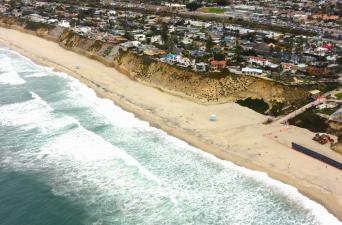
(64, 23)
(201, 67)
(157, 39)
(251, 71)
(140, 37)
(187, 41)
(130, 44)
(327, 105)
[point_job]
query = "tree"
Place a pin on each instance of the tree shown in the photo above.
(222, 2)
(219, 57)
(238, 51)
(165, 32)
(193, 6)
(209, 43)
(128, 35)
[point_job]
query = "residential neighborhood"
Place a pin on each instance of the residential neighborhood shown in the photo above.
(202, 46)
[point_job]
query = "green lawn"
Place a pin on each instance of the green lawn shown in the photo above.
(339, 95)
(212, 10)
(215, 10)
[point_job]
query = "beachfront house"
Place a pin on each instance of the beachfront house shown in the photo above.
(185, 62)
(187, 41)
(261, 62)
(201, 67)
(327, 105)
(64, 24)
(130, 44)
(251, 71)
(157, 39)
(140, 37)
(289, 67)
(217, 65)
(169, 58)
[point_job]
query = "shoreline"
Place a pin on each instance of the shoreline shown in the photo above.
(240, 138)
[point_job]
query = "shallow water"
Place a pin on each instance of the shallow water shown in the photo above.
(69, 157)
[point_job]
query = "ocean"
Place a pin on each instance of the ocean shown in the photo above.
(69, 157)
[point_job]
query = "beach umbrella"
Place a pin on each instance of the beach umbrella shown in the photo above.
(213, 117)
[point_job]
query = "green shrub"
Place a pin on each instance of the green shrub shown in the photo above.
(258, 105)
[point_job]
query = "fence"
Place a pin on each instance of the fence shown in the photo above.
(316, 155)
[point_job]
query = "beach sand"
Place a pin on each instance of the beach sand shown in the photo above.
(238, 135)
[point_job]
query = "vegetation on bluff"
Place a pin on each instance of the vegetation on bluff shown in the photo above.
(209, 87)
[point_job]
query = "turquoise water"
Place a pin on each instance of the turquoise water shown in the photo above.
(68, 157)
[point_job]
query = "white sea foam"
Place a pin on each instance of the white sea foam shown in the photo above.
(39, 74)
(24, 64)
(103, 107)
(34, 113)
(290, 192)
(84, 145)
(8, 75)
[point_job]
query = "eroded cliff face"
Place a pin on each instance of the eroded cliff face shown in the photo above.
(204, 88)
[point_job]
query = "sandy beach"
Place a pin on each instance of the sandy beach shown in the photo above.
(238, 135)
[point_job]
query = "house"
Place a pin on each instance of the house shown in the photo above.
(327, 105)
(64, 23)
(302, 67)
(140, 37)
(169, 58)
(289, 67)
(262, 62)
(196, 53)
(115, 39)
(130, 44)
(251, 71)
(84, 30)
(185, 62)
(187, 41)
(201, 67)
(36, 18)
(157, 39)
(217, 66)
(257, 60)
(315, 93)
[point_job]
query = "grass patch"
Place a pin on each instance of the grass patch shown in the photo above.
(212, 10)
(328, 111)
(339, 95)
(257, 105)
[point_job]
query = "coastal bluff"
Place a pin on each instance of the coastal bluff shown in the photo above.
(205, 88)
